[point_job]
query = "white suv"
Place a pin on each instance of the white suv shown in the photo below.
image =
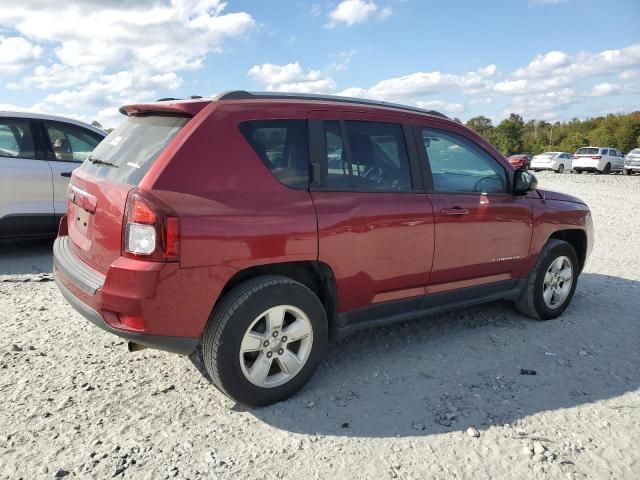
(37, 155)
(556, 161)
(632, 161)
(598, 159)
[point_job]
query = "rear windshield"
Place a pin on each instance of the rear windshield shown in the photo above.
(587, 151)
(635, 151)
(128, 152)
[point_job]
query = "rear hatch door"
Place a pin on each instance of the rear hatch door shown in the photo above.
(99, 188)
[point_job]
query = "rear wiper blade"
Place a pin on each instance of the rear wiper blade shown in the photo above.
(97, 161)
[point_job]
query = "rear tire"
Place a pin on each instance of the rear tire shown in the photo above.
(245, 350)
(560, 168)
(627, 172)
(607, 169)
(577, 171)
(546, 282)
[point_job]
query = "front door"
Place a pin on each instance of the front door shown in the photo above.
(482, 232)
(375, 229)
(26, 191)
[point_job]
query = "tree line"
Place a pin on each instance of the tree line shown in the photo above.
(514, 135)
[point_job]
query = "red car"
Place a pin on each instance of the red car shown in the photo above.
(260, 226)
(522, 161)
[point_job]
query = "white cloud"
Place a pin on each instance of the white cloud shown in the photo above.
(605, 88)
(343, 60)
(420, 84)
(543, 64)
(16, 53)
(95, 47)
(543, 105)
(446, 107)
(291, 78)
(351, 12)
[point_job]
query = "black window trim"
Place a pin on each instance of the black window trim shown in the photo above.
(430, 187)
(318, 155)
(48, 148)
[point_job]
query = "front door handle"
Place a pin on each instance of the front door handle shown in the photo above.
(66, 174)
(455, 211)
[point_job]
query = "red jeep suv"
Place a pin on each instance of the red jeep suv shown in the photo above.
(261, 225)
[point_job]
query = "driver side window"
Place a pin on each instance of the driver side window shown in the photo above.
(460, 166)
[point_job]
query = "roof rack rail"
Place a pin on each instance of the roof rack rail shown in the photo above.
(245, 95)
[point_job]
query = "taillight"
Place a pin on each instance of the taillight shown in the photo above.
(151, 230)
(597, 157)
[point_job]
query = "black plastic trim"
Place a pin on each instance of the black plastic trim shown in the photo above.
(79, 272)
(180, 345)
(412, 308)
(28, 225)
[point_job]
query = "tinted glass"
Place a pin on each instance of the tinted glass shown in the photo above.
(133, 147)
(587, 151)
(378, 157)
(460, 166)
(283, 147)
(15, 138)
(635, 151)
(70, 143)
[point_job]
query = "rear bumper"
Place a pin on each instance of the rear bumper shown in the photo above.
(84, 287)
(588, 164)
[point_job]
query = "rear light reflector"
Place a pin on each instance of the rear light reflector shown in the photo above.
(151, 230)
(597, 157)
(131, 321)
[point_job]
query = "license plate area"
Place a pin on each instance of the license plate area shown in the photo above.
(82, 220)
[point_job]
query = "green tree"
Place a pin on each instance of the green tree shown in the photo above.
(573, 141)
(507, 136)
(481, 125)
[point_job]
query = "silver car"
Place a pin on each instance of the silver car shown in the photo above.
(37, 155)
(632, 162)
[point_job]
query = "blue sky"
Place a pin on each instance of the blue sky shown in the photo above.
(550, 59)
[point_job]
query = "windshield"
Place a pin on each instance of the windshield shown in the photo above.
(635, 151)
(128, 152)
(587, 151)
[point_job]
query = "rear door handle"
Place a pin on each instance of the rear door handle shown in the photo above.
(455, 211)
(66, 174)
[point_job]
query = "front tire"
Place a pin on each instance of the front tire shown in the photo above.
(551, 283)
(560, 168)
(264, 340)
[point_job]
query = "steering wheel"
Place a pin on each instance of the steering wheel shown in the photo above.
(495, 179)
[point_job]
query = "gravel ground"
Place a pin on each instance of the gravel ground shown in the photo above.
(439, 398)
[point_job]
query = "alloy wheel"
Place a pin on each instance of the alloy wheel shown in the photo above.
(557, 282)
(276, 346)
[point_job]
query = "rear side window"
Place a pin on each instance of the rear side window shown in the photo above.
(376, 158)
(15, 138)
(587, 151)
(605, 151)
(128, 152)
(70, 143)
(283, 146)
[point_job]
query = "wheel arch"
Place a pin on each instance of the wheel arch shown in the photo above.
(577, 238)
(315, 275)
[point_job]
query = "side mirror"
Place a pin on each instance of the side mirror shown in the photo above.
(523, 182)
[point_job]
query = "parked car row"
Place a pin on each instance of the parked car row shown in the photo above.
(586, 159)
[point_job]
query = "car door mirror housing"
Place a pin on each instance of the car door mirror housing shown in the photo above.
(523, 182)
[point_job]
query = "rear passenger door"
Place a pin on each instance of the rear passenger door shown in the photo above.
(26, 192)
(375, 222)
(482, 231)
